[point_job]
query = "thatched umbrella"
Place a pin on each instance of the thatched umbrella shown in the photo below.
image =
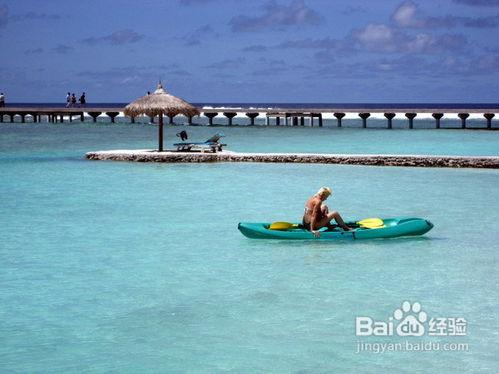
(160, 103)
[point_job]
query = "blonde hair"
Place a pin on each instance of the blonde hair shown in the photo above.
(324, 191)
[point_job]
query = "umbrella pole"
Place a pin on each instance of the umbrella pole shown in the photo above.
(160, 134)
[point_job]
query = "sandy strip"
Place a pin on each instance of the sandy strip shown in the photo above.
(490, 162)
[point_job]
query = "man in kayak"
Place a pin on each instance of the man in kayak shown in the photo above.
(317, 214)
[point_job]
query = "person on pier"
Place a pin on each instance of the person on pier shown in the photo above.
(68, 100)
(82, 100)
(2, 100)
(317, 213)
(73, 101)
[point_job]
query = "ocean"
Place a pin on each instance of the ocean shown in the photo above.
(133, 267)
(449, 106)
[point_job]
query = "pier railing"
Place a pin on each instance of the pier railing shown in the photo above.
(275, 116)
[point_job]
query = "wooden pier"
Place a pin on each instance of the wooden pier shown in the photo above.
(54, 114)
(275, 116)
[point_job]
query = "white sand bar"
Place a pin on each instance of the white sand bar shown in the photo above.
(491, 162)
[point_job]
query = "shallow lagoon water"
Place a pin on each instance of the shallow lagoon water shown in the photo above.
(109, 266)
(74, 139)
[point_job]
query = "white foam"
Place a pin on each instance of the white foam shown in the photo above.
(349, 115)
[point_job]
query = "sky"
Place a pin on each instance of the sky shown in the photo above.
(260, 51)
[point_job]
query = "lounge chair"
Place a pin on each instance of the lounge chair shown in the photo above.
(212, 144)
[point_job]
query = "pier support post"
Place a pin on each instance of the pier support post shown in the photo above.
(437, 117)
(229, 116)
(23, 118)
(112, 115)
(210, 116)
(389, 117)
(267, 120)
(160, 132)
(94, 115)
(61, 117)
(170, 121)
(189, 120)
(364, 117)
(302, 121)
(278, 121)
(339, 117)
(463, 117)
(286, 116)
(82, 117)
(295, 121)
(1, 117)
(312, 119)
(252, 117)
(411, 117)
(488, 117)
(11, 117)
(320, 119)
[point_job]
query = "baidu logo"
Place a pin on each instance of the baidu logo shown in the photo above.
(410, 320)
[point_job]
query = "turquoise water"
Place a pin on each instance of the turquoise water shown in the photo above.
(76, 139)
(108, 266)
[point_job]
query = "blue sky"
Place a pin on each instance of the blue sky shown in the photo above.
(251, 51)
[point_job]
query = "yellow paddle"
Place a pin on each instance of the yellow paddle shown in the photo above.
(282, 226)
(368, 223)
(371, 223)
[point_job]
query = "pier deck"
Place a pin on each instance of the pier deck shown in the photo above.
(339, 109)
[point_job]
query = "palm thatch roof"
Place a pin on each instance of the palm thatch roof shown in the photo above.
(158, 103)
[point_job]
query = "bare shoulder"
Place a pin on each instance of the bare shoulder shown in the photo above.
(312, 202)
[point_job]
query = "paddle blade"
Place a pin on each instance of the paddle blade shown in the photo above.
(281, 226)
(371, 223)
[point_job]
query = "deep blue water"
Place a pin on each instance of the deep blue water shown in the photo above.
(295, 105)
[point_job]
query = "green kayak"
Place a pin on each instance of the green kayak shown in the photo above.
(391, 228)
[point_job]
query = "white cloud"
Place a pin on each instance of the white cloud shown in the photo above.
(408, 15)
(383, 38)
(420, 43)
(275, 15)
(405, 14)
(375, 36)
